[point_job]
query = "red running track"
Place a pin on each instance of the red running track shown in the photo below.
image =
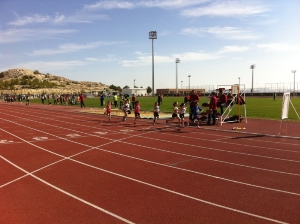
(59, 165)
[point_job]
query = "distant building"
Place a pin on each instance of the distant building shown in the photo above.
(135, 91)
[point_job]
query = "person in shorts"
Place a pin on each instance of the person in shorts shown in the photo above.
(108, 110)
(175, 113)
(155, 112)
(194, 98)
(126, 110)
(182, 111)
(27, 100)
(137, 111)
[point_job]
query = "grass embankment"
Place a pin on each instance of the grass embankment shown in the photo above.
(256, 107)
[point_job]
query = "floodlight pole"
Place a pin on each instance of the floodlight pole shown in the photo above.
(189, 82)
(177, 61)
(134, 83)
(181, 84)
(152, 35)
(294, 71)
(252, 67)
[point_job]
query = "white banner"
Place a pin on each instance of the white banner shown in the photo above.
(285, 106)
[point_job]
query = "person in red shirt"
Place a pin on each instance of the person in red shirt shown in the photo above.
(137, 111)
(193, 100)
(108, 110)
(81, 100)
(222, 102)
(213, 106)
(133, 99)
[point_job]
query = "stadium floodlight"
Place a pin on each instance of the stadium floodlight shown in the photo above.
(189, 82)
(294, 71)
(252, 67)
(177, 61)
(152, 36)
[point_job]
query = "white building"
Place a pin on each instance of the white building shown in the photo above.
(135, 91)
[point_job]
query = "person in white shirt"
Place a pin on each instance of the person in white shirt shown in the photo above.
(155, 112)
(182, 111)
(175, 113)
(126, 110)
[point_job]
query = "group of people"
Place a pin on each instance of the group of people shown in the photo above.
(178, 111)
(20, 98)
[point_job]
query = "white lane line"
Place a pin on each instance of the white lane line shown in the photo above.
(209, 148)
(235, 164)
(221, 150)
(51, 164)
(233, 143)
(204, 174)
(80, 115)
(183, 195)
(119, 140)
(69, 194)
(228, 137)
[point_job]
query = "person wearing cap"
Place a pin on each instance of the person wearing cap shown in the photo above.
(213, 106)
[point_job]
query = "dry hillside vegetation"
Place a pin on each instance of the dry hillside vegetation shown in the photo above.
(34, 82)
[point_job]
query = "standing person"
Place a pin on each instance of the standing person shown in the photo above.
(274, 96)
(27, 100)
(116, 100)
(137, 111)
(43, 99)
(126, 110)
(194, 99)
(108, 110)
(159, 99)
(20, 98)
(175, 113)
(133, 99)
(102, 100)
(222, 102)
(181, 113)
(155, 112)
(212, 109)
(81, 97)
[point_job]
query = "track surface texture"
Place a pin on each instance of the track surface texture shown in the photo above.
(64, 165)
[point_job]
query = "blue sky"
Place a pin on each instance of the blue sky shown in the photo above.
(108, 41)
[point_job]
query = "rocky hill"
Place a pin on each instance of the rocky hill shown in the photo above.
(26, 81)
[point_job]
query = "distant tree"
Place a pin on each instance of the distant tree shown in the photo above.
(36, 72)
(113, 87)
(126, 87)
(141, 87)
(6, 84)
(149, 89)
(13, 81)
(1, 74)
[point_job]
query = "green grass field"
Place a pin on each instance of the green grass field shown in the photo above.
(256, 107)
